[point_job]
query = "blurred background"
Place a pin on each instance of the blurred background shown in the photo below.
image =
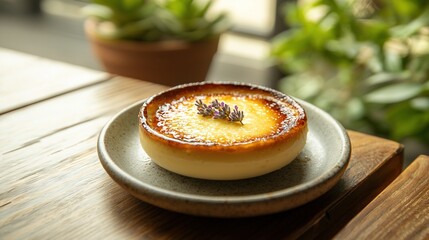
(54, 29)
(366, 62)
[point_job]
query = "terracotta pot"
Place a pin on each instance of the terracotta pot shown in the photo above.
(166, 62)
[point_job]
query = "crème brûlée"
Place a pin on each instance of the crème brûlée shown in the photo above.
(177, 137)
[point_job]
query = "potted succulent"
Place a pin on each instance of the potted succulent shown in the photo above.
(169, 42)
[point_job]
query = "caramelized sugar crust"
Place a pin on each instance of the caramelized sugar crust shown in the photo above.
(270, 118)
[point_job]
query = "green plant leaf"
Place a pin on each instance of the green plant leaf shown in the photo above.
(408, 29)
(405, 121)
(303, 86)
(387, 77)
(426, 86)
(372, 30)
(149, 20)
(131, 5)
(97, 11)
(292, 14)
(393, 61)
(405, 9)
(394, 93)
(139, 28)
(421, 103)
(204, 9)
(355, 109)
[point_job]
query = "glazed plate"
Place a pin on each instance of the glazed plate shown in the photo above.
(317, 169)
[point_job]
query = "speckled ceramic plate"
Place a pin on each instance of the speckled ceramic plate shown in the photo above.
(318, 168)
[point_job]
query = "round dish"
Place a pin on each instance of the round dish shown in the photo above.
(317, 169)
(177, 138)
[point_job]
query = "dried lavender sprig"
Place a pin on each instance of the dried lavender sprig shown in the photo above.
(203, 109)
(236, 115)
(222, 110)
(219, 111)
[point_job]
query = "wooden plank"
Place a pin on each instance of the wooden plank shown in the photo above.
(26, 126)
(14, 61)
(25, 79)
(374, 163)
(401, 211)
(49, 183)
(52, 185)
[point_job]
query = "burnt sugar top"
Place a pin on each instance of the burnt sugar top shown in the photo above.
(269, 116)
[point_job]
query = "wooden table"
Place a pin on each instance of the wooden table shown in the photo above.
(401, 211)
(52, 185)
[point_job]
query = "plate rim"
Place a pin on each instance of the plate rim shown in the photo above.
(123, 177)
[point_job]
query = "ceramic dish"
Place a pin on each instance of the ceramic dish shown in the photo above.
(318, 168)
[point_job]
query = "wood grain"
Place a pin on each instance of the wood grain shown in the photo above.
(45, 118)
(25, 79)
(54, 186)
(374, 164)
(77, 198)
(401, 211)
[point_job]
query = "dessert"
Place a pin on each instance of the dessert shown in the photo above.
(222, 131)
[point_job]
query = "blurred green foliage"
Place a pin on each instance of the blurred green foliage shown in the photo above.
(366, 62)
(149, 20)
